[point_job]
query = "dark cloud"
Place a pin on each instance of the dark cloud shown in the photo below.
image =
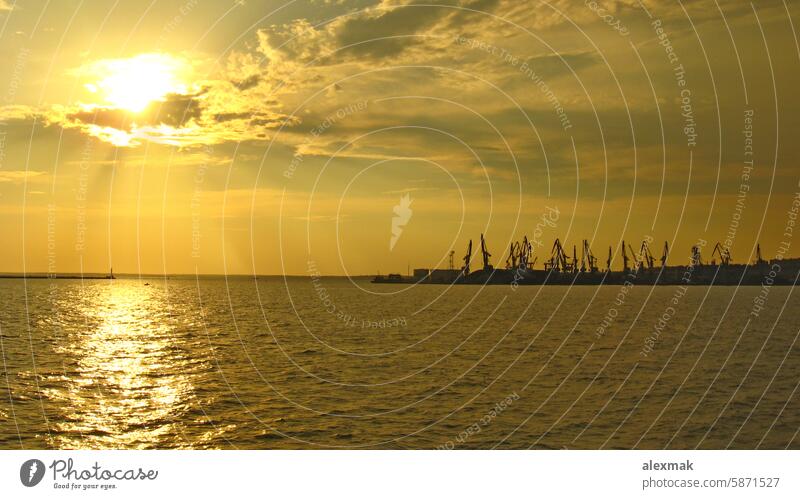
(473, 12)
(231, 116)
(248, 83)
(552, 66)
(105, 117)
(175, 110)
(385, 34)
(384, 31)
(272, 122)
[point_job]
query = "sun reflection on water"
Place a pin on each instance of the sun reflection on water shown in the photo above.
(132, 378)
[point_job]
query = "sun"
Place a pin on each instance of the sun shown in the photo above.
(133, 83)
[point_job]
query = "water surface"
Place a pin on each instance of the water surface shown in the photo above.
(329, 362)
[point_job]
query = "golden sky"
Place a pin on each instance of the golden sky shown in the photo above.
(258, 136)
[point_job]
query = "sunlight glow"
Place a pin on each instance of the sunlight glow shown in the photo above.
(133, 83)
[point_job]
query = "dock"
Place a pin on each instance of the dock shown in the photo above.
(581, 268)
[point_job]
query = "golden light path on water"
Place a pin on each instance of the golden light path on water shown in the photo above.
(132, 384)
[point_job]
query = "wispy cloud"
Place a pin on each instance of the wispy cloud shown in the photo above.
(19, 176)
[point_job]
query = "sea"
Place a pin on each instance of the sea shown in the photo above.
(237, 362)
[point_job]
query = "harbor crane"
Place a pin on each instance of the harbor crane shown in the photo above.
(608, 262)
(696, 259)
(559, 260)
(486, 255)
(759, 260)
(646, 255)
(525, 253)
(587, 258)
(468, 258)
(513, 254)
(664, 255)
(636, 263)
(574, 258)
(625, 258)
(583, 256)
(724, 255)
(519, 255)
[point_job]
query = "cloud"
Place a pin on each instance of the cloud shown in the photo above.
(382, 32)
(16, 112)
(181, 120)
(551, 66)
(5, 6)
(227, 107)
(253, 93)
(300, 73)
(385, 31)
(175, 110)
(19, 176)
